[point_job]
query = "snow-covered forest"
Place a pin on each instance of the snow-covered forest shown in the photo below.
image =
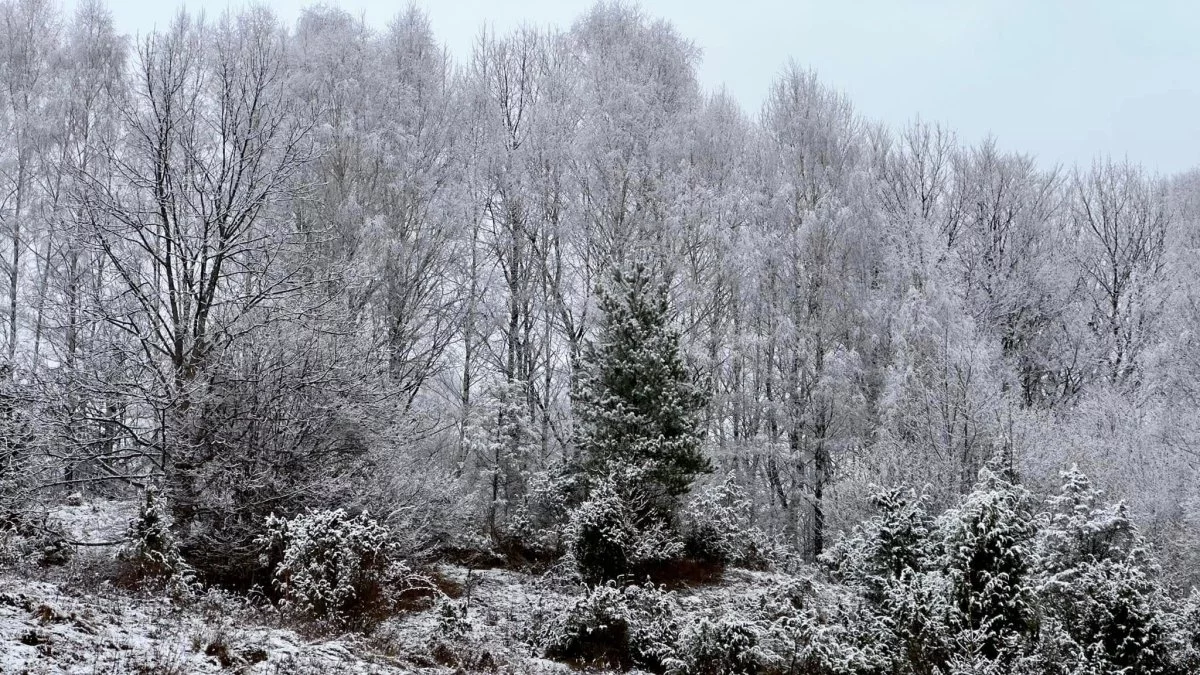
(550, 358)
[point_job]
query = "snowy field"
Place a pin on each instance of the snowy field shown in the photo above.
(68, 620)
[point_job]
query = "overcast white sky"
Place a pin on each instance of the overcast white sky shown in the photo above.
(1065, 80)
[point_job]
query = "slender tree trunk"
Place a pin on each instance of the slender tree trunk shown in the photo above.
(14, 272)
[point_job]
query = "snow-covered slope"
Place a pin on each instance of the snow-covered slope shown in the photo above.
(46, 629)
(70, 620)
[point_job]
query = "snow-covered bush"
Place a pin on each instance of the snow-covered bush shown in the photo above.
(518, 501)
(41, 541)
(10, 546)
(892, 561)
(994, 587)
(457, 643)
(614, 626)
(718, 527)
(1112, 610)
(1080, 529)
(788, 625)
(535, 521)
(727, 645)
(151, 552)
(453, 623)
(610, 534)
(818, 628)
(921, 618)
(1184, 625)
(333, 567)
(47, 542)
(17, 448)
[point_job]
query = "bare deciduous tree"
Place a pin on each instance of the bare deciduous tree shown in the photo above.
(1122, 219)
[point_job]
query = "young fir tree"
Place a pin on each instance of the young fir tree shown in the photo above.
(636, 402)
(1100, 584)
(988, 543)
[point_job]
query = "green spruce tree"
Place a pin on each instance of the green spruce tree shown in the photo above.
(988, 543)
(636, 402)
(1100, 585)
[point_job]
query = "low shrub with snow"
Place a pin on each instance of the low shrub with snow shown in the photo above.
(10, 546)
(789, 625)
(535, 521)
(613, 533)
(329, 566)
(804, 626)
(452, 621)
(460, 641)
(718, 527)
(1184, 631)
(45, 542)
(613, 626)
(17, 543)
(727, 645)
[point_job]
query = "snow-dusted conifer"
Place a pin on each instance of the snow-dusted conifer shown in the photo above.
(718, 526)
(890, 560)
(151, 550)
(881, 550)
(635, 401)
(1099, 583)
(988, 543)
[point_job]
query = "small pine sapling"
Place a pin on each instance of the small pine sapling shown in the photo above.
(151, 552)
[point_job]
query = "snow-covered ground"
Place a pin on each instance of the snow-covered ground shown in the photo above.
(69, 620)
(56, 627)
(94, 520)
(46, 629)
